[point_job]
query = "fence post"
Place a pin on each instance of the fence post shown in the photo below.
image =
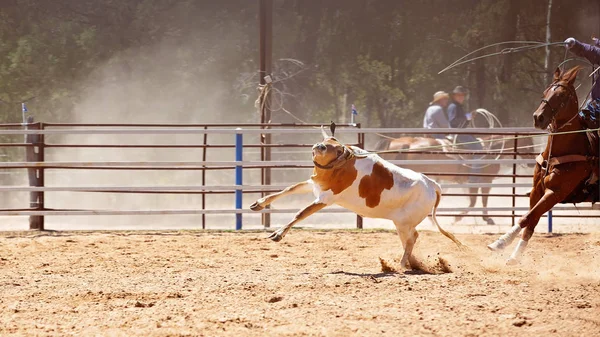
(239, 144)
(361, 144)
(204, 177)
(35, 153)
(550, 221)
(514, 178)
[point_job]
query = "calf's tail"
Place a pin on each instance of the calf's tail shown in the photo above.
(438, 192)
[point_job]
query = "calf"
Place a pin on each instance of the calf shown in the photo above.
(367, 185)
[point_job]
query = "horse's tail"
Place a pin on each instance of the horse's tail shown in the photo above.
(438, 192)
(383, 144)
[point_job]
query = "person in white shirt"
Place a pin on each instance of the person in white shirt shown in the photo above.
(435, 116)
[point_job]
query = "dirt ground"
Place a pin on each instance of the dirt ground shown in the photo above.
(313, 283)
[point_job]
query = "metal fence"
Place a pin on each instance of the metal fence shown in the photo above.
(243, 138)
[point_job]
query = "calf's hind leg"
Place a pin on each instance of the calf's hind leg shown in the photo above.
(408, 237)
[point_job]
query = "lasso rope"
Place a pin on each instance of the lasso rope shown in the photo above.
(531, 45)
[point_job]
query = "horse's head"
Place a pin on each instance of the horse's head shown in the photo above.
(559, 102)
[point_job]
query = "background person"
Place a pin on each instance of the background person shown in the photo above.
(435, 116)
(457, 116)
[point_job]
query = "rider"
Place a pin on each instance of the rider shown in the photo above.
(592, 54)
(591, 112)
(435, 116)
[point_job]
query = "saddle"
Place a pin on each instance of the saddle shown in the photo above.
(589, 190)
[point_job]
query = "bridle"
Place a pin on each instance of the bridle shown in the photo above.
(563, 104)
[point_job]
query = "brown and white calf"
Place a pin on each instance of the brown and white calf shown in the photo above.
(367, 185)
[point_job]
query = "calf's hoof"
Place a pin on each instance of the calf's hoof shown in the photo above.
(256, 207)
(275, 236)
(489, 221)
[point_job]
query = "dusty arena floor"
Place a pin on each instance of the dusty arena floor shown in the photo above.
(313, 283)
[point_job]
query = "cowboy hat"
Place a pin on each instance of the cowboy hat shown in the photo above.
(460, 90)
(438, 96)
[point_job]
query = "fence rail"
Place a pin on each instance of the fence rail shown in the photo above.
(38, 166)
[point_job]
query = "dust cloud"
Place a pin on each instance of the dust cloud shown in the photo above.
(144, 85)
(150, 85)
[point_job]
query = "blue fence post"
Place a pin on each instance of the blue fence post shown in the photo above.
(549, 221)
(239, 144)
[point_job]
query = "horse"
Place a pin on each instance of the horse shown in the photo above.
(567, 170)
(457, 173)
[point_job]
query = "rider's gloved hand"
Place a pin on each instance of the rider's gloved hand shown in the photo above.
(570, 42)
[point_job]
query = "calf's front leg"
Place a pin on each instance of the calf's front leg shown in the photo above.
(301, 215)
(302, 187)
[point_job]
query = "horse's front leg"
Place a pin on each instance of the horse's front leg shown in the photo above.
(302, 187)
(531, 219)
(302, 214)
(535, 195)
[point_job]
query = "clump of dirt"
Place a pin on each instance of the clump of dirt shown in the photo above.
(275, 299)
(440, 266)
(444, 265)
(385, 267)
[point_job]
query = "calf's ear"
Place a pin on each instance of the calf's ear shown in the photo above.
(325, 136)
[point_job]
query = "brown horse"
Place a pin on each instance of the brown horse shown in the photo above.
(567, 170)
(454, 172)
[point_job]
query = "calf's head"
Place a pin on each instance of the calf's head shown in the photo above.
(328, 153)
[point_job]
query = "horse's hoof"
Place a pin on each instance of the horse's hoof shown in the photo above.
(275, 237)
(512, 262)
(457, 218)
(489, 221)
(496, 246)
(256, 207)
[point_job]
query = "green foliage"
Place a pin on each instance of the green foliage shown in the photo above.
(381, 55)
